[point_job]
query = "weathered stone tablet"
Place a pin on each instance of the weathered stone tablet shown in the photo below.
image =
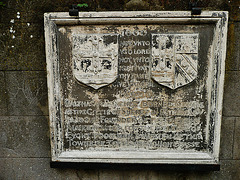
(136, 87)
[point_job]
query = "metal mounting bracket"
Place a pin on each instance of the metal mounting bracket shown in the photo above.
(73, 10)
(194, 9)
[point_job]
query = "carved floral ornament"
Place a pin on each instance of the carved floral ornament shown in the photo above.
(174, 59)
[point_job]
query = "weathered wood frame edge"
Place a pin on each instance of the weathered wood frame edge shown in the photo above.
(51, 20)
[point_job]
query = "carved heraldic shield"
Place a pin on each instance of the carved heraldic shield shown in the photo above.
(174, 59)
(95, 59)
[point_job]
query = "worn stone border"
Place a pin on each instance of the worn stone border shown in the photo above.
(219, 18)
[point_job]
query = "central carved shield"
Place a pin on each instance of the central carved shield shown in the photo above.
(95, 58)
(174, 59)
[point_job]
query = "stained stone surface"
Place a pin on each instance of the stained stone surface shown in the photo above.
(227, 135)
(134, 106)
(230, 170)
(27, 93)
(236, 52)
(22, 46)
(236, 147)
(175, 59)
(24, 137)
(134, 91)
(3, 95)
(15, 60)
(39, 169)
(231, 95)
(95, 59)
(233, 58)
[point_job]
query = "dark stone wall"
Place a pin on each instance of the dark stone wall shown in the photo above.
(24, 128)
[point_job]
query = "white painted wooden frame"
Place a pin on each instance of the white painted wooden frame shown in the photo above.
(217, 58)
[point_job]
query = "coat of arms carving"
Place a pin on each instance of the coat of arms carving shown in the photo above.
(174, 59)
(95, 59)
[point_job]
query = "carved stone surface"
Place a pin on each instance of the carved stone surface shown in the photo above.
(136, 87)
(175, 59)
(95, 59)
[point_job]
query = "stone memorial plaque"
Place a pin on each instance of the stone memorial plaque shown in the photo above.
(136, 87)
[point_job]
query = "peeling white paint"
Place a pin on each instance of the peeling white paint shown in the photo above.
(94, 60)
(131, 99)
(62, 30)
(175, 59)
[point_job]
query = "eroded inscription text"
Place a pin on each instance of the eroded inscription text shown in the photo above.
(145, 105)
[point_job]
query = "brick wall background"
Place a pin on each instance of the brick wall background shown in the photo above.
(24, 129)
